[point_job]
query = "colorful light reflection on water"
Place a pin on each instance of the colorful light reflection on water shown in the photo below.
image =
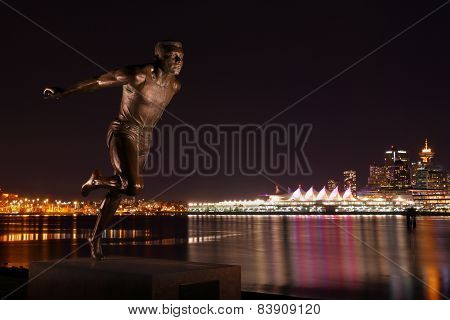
(306, 256)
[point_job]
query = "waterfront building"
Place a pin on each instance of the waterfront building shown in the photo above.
(307, 202)
(432, 200)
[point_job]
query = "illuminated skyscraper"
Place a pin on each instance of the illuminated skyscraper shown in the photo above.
(435, 179)
(398, 175)
(396, 163)
(331, 185)
(415, 166)
(350, 181)
(394, 155)
(377, 177)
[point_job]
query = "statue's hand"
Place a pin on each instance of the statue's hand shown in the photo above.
(53, 93)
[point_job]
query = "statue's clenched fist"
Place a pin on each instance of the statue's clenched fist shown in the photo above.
(53, 93)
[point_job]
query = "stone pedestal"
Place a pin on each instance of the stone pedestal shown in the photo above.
(133, 278)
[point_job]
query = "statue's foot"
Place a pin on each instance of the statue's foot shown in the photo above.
(91, 184)
(96, 248)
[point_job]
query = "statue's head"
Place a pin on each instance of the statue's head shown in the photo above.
(170, 56)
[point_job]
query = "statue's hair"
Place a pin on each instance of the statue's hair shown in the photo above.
(162, 46)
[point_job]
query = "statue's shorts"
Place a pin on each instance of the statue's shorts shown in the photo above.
(129, 145)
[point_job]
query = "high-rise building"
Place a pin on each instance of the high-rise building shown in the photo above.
(428, 178)
(415, 166)
(331, 185)
(350, 181)
(393, 155)
(396, 163)
(377, 177)
(398, 175)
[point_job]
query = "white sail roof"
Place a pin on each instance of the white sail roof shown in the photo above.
(298, 194)
(322, 195)
(348, 196)
(334, 195)
(311, 194)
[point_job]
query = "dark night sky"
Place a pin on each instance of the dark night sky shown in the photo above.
(244, 62)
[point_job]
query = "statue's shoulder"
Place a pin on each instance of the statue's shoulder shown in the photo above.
(176, 85)
(149, 70)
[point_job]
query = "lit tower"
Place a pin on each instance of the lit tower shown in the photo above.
(426, 154)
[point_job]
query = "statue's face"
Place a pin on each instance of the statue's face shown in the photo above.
(173, 61)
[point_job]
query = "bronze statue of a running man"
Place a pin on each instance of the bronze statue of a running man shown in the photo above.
(146, 91)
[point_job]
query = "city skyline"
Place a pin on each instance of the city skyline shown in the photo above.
(350, 179)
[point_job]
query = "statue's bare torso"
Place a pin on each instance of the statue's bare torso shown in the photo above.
(144, 98)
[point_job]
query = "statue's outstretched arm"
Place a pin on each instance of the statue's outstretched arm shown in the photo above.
(111, 79)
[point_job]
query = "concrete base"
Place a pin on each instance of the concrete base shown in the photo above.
(133, 278)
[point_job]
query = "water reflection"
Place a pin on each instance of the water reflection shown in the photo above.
(333, 256)
(307, 256)
(25, 239)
